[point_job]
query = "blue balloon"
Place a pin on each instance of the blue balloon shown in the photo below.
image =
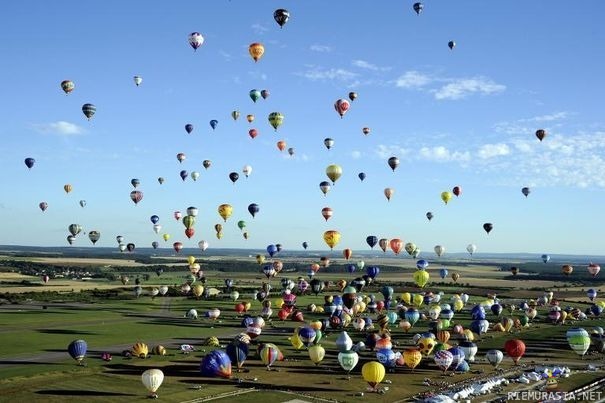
(337, 300)
(443, 272)
(271, 250)
(307, 335)
(496, 309)
(479, 326)
(372, 240)
(155, 244)
(478, 312)
(362, 176)
(247, 321)
(422, 264)
(213, 123)
(155, 219)
(351, 267)
(387, 292)
(463, 367)
(216, 363)
(305, 245)
(77, 349)
(387, 357)
(237, 352)
(458, 354)
(545, 258)
(372, 271)
(412, 315)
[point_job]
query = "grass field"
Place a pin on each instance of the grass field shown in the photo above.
(34, 364)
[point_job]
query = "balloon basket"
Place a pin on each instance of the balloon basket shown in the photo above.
(153, 396)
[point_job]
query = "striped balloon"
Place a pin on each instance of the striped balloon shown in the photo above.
(578, 340)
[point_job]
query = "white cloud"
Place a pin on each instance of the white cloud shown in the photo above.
(315, 73)
(547, 118)
(413, 79)
(461, 88)
(356, 154)
(442, 154)
(384, 151)
(527, 126)
(362, 64)
(61, 128)
(225, 55)
(259, 29)
(320, 48)
(493, 150)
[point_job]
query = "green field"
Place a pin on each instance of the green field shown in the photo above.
(36, 331)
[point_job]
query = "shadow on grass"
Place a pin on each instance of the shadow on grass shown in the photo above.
(177, 370)
(17, 362)
(240, 383)
(64, 331)
(60, 392)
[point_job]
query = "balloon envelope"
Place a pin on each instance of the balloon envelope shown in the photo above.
(216, 364)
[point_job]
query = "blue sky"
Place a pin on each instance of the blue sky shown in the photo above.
(463, 117)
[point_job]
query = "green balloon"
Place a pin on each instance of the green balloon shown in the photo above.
(255, 95)
(241, 224)
(276, 119)
(189, 221)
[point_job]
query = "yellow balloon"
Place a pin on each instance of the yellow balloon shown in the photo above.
(140, 350)
(407, 298)
(412, 357)
(373, 373)
(468, 335)
(296, 342)
(418, 300)
(198, 290)
(225, 211)
(421, 277)
(458, 305)
(260, 259)
(219, 235)
(332, 238)
(256, 51)
(317, 353)
(191, 259)
(166, 237)
(446, 196)
(333, 172)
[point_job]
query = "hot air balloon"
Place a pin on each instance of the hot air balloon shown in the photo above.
(352, 96)
(253, 208)
(138, 80)
(29, 162)
(256, 50)
(216, 363)
(89, 110)
(281, 16)
(203, 245)
(443, 359)
(361, 176)
(328, 142)
(494, 357)
(152, 380)
(276, 119)
(130, 247)
(418, 8)
(372, 241)
(177, 246)
(269, 353)
(594, 269)
(327, 213)
(188, 128)
(579, 340)
(455, 276)
(181, 157)
(250, 118)
(348, 360)
(67, 86)
(291, 151)
(195, 40)
(515, 349)
(265, 94)
(342, 106)
(451, 45)
(567, 269)
(74, 229)
(207, 163)
(421, 278)
(160, 180)
(43, 206)
(331, 238)
(77, 350)
(365, 130)
(333, 172)
(136, 196)
(67, 188)
(393, 163)
(373, 373)
(388, 193)
(471, 248)
(281, 145)
(396, 245)
(225, 211)
(305, 245)
(253, 133)
(254, 95)
(457, 191)
(488, 227)
(443, 272)
(94, 236)
(234, 176)
(247, 170)
(324, 186)
(213, 124)
(346, 253)
(526, 191)
(446, 197)
(238, 353)
(540, 134)
(439, 250)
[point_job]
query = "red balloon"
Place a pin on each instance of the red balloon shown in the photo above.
(515, 349)
(457, 190)
(283, 314)
(189, 232)
(396, 245)
(347, 253)
(239, 308)
(253, 133)
(342, 106)
(177, 246)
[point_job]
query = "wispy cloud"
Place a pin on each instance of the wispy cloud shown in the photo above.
(529, 125)
(362, 64)
(356, 154)
(462, 88)
(572, 160)
(61, 128)
(259, 29)
(320, 48)
(317, 73)
(413, 79)
(225, 55)
(447, 88)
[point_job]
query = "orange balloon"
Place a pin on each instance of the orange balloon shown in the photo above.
(396, 245)
(256, 51)
(281, 145)
(347, 253)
